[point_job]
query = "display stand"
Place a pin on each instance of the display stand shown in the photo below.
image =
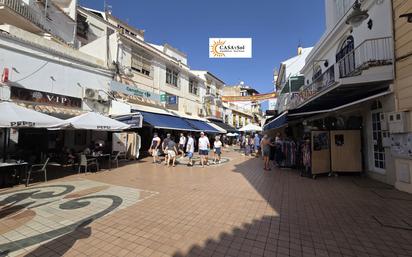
(346, 152)
(320, 152)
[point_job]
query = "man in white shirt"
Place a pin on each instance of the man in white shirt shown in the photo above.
(204, 146)
(182, 142)
(190, 149)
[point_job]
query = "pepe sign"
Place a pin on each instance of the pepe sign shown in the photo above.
(22, 124)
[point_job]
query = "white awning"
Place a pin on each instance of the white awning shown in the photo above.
(15, 116)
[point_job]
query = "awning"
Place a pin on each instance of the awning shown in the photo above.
(163, 121)
(341, 95)
(135, 120)
(15, 116)
(278, 122)
(224, 126)
(202, 126)
(295, 113)
(221, 130)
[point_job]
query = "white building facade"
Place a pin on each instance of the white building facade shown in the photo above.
(348, 79)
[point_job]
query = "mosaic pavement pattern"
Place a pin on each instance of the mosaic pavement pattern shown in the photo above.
(35, 215)
(196, 161)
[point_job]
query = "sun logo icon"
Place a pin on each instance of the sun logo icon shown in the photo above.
(215, 48)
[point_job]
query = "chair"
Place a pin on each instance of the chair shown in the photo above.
(37, 168)
(115, 158)
(86, 163)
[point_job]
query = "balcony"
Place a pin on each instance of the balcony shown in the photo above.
(33, 19)
(370, 62)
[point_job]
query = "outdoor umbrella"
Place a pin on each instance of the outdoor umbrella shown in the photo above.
(95, 121)
(250, 127)
(15, 116)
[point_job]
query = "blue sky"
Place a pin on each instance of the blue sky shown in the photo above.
(276, 27)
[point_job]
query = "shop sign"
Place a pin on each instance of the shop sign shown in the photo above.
(163, 98)
(133, 91)
(172, 99)
(27, 95)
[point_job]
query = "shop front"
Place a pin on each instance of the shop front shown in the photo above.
(335, 136)
(159, 113)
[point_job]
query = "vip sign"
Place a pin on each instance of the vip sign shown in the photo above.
(230, 48)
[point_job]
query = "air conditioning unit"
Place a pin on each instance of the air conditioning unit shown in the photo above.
(383, 118)
(92, 94)
(397, 122)
(128, 72)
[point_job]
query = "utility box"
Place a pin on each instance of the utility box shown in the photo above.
(398, 122)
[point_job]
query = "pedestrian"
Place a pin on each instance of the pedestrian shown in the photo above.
(171, 152)
(164, 145)
(265, 145)
(217, 149)
(190, 149)
(247, 145)
(204, 146)
(182, 143)
(257, 145)
(154, 147)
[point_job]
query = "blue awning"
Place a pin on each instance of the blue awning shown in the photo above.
(202, 126)
(278, 122)
(163, 121)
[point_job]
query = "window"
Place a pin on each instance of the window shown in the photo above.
(208, 89)
(193, 88)
(172, 77)
(141, 65)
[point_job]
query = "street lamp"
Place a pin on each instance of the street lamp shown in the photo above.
(358, 15)
(408, 17)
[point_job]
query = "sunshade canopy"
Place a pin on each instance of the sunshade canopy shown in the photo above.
(224, 126)
(163, 121)
(202, 126)
(250, 127)
(95, 121)
(15, 116)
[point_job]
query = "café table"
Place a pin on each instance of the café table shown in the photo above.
(12, 166)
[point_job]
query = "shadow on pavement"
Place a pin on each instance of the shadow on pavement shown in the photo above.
(60, 245)
(325, 217)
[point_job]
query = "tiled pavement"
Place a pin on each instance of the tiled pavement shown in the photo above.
(233, 209)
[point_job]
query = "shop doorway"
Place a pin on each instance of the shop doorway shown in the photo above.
(379, 160)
